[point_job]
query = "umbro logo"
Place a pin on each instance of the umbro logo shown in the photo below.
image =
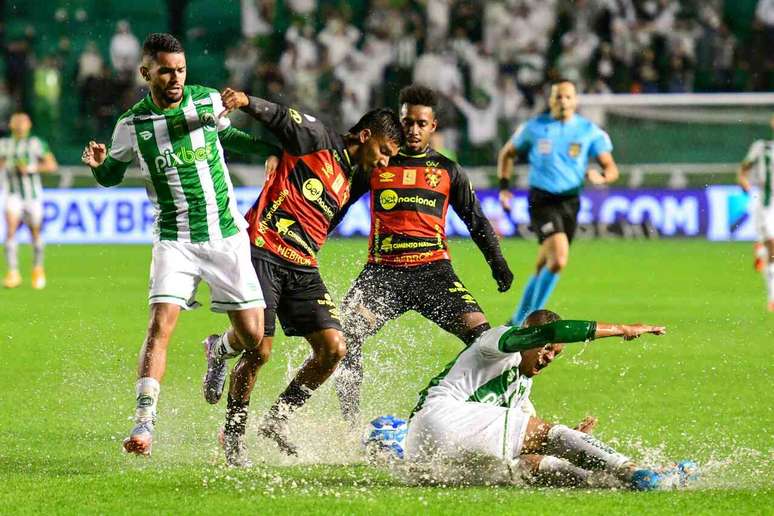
(146, 135)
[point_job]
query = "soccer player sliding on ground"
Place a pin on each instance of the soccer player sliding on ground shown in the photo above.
(757, 170)
(178, 141)
(479, 407)
(288, 224)
(409, 265)
(24, 157)
(558, 146)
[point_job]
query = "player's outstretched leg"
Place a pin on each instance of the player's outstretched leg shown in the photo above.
(349, 379)
(525, 305)
(768, 274)
(327, 351)
(152, 364)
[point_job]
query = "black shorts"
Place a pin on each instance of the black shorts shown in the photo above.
(382, 293)
(550, 214)
(297, 296)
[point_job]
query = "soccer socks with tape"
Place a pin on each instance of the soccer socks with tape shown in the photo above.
(147, 390)
(349, 379)
(546, 282)
(294, 397)
(560, 472)
(11, 256)
(223, 348)
(236, 416)
(583, 450)
(525, 305)
(37, 253)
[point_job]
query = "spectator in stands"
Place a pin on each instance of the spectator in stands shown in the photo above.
(763, 60)
(47, 93)
(481, 117)
(6, 108)
(240, 63)
(338, 37)
(90, 63)
(124, 51)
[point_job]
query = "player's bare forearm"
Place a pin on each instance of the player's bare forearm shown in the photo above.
(742, 178)
(506, 159)
(48, 165)
(627, 331)
(609, 167)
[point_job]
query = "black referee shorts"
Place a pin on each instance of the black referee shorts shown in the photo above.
(550, 213)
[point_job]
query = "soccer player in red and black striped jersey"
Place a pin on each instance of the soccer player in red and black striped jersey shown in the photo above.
(409, 265)
(288, 224)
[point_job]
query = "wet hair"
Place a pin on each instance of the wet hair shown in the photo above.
(381, 122)
(540, 317)
(418, 95)
(161, 42)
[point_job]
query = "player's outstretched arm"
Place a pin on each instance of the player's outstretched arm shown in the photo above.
(567, 331)
(107, 171)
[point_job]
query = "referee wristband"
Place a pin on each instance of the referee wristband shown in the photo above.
(504, 183)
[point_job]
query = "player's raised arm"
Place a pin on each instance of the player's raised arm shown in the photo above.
(567, 331)
(464, 201)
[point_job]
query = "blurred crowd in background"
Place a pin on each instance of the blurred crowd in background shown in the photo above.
(491, 60)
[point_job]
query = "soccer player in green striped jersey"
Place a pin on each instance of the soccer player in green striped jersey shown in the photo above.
(24, 157)
(478, 407)
(177, 139)
(756, 176)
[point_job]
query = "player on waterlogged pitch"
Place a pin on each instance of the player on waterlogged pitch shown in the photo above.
(479, 407)
(24, 157)
(409, 265)
(178, 141)
(289, 223)
(558, 146)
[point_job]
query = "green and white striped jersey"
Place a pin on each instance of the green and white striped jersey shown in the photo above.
(761, 157)
(481, 373)
(27, 152)
(181, 158)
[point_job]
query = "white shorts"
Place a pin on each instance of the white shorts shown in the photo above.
(457, 430)
(30, 211)
(764, 220)
(225, 265)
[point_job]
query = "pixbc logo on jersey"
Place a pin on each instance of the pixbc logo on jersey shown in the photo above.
(183, 156)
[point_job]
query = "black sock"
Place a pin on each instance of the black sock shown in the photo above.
(236, 416)
(294, 397)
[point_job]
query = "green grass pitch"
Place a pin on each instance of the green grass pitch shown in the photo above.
(704, 391)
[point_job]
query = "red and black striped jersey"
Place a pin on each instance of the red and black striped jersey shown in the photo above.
(409, 202)
(293, 213)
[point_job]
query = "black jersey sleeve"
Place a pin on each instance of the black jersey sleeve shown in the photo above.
(298, 133)
(359, 185)
(464, 201)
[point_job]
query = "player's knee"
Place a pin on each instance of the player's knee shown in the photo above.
(251, 337)
(263, 351)
(334, 349)
(557, 263)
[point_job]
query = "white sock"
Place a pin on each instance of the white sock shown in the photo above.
(11, 257)
(561, 472)
(147, 390)
(768, 273)
(223, 348)
(37, 253)
(583, 450)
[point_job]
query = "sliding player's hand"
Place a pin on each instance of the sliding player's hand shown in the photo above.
(587, 425)
(633, 331)
(94, 154)
(505, 200)
(502, 275)
(232, 100)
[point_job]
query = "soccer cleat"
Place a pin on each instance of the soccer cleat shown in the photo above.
(277, 430)
(140, 440)
(233, 445)
(217, 369)
(38, 277)
(652, 480)
(12, 279)
(688, 471)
